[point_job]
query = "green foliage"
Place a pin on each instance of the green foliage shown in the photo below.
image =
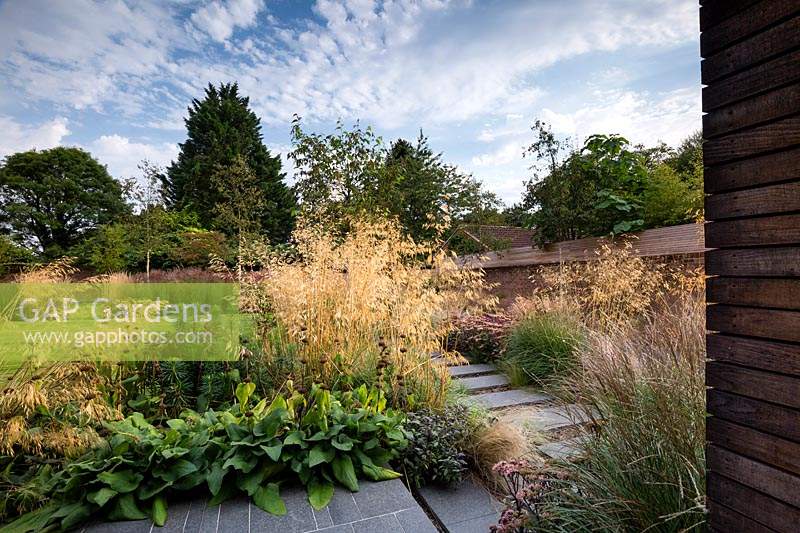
(434, 453)
(13, 257)
(609, 187)
(110, 249)
(668, 199)
(352, 171)
(221, 130)
(51, 199)
(541, 348)
(319, 438)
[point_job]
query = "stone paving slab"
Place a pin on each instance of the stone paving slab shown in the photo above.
(559, 417)
(385, 507)
(562, 450)
(471, 370)
(508, 398)
(479, 383)
(465, 508)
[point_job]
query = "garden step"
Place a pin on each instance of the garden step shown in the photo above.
(471, 370)
(508, 398)
(483, 383)
(464, 508)
(562, 450)
(559, 417)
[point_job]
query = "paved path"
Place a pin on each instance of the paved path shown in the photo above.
(385, 507)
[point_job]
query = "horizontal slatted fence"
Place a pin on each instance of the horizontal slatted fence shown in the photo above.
(751, 73)
(686, 239)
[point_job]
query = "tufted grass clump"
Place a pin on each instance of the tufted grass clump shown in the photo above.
(542, 348)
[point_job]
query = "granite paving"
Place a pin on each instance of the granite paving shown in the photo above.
(479, 383)
(509, 398)
(385, 507)
(465, 508)
(471, 370)
(562, 450)
(558, 417)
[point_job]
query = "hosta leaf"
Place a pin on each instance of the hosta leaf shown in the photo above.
(214, 478)
(320, 493)
(241, 463)
(122, 481)
(294, 437)
(270, 424)
(101, 497)
(320, 454)
(77, 515)
(378, 473)
(274, 452)
(126, 508)
(251, 482)
(343, 442)
(268, 498)
(180, 468)
(159, 511)
(344, 472)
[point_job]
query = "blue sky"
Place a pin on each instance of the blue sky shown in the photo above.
(115, 77)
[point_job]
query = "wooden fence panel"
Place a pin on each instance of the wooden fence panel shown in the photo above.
(752, 175)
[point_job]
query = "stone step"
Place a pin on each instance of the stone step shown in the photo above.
(562, 450)
(559, 417)
(464, 508)
(508, 398)
(484, 383)
(471, 370)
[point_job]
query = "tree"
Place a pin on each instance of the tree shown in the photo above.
(221, 128)
(52, 198)
(353, 171)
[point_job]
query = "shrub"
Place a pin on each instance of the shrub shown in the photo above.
(317, 438)
(434, 453)
(542, 348)
(479, 338)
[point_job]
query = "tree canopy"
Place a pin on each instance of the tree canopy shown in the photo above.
(353, 170)
(609, 186)
(51, 198)
(224, 133)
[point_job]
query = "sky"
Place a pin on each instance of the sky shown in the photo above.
(115, 77)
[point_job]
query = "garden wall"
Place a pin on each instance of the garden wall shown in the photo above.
(512, 270)
(752, 172)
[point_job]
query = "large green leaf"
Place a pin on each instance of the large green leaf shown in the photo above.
(344, 472)
(268, 498)
(252, 481)
(274, 452)
(214, 478)
(378, 473)
(159, 511)
(126, 508)
(101, 497)
(269, 425)
(122, 481)
(320, 454)
(243, 393)
(320, 493)
(177, 470)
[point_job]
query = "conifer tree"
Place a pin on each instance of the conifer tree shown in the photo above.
(221, 131)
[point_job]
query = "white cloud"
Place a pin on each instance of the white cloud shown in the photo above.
(16, 137)
(641, 117)
(122, 156)
(219, 19)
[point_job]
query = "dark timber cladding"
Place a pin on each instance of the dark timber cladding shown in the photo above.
(751, 126)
